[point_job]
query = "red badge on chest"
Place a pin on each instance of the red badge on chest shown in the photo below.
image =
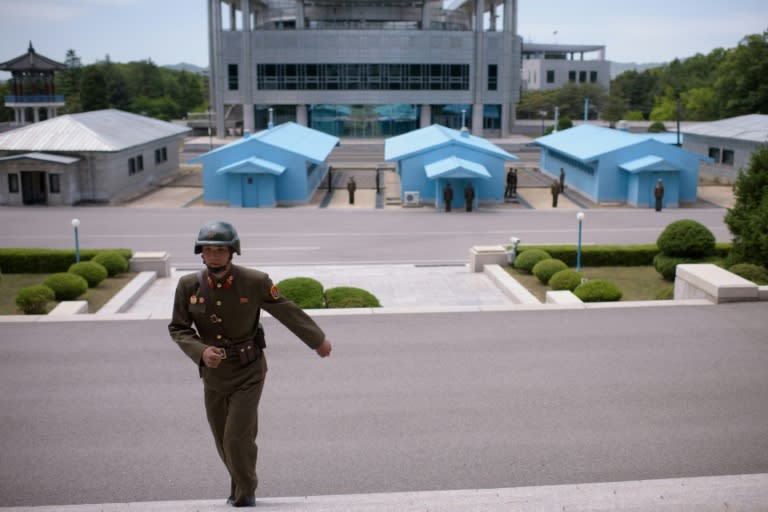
(274, 292)
(243, 300)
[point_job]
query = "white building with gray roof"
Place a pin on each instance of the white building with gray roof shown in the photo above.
(728, 142)
(101, 156)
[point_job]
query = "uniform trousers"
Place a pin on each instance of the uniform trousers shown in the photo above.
(231, 405)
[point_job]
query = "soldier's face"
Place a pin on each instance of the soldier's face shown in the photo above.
(216, 256)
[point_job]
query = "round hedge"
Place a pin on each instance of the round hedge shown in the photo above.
(113, 261)
(686, 239)
(92, 272)
(66, 286)
(33, 300)
(545, 269)
(751, 272)
(305, 292)
(350, 297)
(528, 259)
(567, 279)
(598, 290)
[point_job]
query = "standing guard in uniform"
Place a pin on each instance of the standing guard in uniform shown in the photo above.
(554, 189)
(351, 187)
(448, 196)
(469, 196)
(216, 323)
(562, 180)
(658, 194)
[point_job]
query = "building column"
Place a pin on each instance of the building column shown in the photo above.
(302, 116)
(36, 112)
(300, 15)
(479, 70)
(246, 88)
(216, 65)
(507, 71)
(425, 119)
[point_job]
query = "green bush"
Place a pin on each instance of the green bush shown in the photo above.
(349, 297)
(528, 259)
(92, 272)
(567, 279)
(545, 269)
(305, 292)
(33, 300)
(686, 239)
(657, 127)
(45, 261)
(66, 286)
(114, 261)
(667, 265)
(751, 272)
(598, 290)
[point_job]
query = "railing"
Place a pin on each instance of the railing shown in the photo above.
(35, 99)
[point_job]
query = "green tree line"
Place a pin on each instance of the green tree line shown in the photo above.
(724, 83)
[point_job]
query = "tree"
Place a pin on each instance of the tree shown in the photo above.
(93, 89)
(748, 219)
(6, 114)
(741, 87)
(68, 82)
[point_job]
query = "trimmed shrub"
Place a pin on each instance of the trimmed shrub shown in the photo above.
(92, 272)
(33, 300)
(657, 127)
(751, 272)
(598, 290)
(46, 261)
(305, 292)
(686, 239)
(567, 279)
(545, 269)
(667, 265)
(66, 286)
(350, 297)
(528, 259)
(666, 293)
(114, 261)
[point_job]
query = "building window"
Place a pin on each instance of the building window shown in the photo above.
(493, 77)
(131, 166)
(13, 183)
(550, 76)
(593, 76)
(571, 76)
(139, 163)
(161, 155)
(727, 157)
(53, 183)
(714, 154)
(582, 77)
(232, 77)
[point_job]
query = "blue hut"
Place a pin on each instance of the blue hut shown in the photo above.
(282, 165)
(430, 158)
(606, 165)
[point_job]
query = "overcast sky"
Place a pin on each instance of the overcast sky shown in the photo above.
(173, 31)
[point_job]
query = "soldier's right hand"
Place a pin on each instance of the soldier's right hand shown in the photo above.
(212, 356)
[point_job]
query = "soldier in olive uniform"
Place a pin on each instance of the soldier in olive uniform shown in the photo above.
(216, 323)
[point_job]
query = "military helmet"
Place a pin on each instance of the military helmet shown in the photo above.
(217, 232)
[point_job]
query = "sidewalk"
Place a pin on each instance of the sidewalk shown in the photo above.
(742, 493)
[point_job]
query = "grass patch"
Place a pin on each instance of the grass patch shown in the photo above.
(96, 297)
(636, 283)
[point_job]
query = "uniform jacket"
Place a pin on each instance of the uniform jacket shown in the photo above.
(230, 313)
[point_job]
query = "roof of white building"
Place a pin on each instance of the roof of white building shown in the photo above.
(100, 130)
(431, 137)
(43, 157)
(752, 127)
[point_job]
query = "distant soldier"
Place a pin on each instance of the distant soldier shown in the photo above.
(508, 190)
(469, 196)
(562, 180)
(514, 182)
(555, 190)
(658, 193)
(351, 187)
(448, 196)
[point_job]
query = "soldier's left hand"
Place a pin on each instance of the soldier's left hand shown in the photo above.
(324, 350)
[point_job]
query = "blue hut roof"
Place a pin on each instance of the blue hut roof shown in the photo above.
(431, 137)
(455, 167)
(253, 165)
(312, 144)
(648, 163)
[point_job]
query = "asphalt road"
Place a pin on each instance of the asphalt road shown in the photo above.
(311, 235)
(101, 412)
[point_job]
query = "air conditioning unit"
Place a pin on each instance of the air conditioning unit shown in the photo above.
(412, 198)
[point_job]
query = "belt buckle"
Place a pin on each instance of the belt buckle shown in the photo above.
(223, 352)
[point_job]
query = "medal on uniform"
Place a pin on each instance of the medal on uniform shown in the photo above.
(274, 292)
(193, 299)
(202, 300)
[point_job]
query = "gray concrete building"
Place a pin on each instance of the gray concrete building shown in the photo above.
(365, 68)
(551, 66)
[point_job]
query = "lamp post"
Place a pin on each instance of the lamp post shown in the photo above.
(580, 218)
(543, 115)
(463, 114)
(75, 225)
(210, 131)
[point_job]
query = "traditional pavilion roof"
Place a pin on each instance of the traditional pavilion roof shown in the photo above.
(32, 61)
(99, 130)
